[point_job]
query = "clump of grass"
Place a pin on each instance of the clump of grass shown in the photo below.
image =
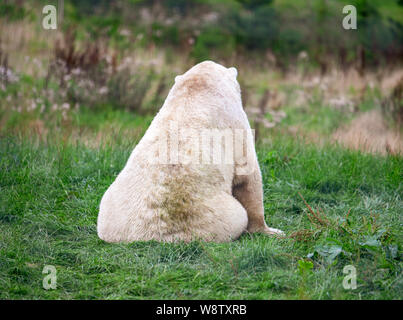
(318, 218)
(393, 105)
(179, 253)
(67, 53)
(370, 132)
(95, 77)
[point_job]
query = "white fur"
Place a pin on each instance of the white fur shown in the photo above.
(169, 202)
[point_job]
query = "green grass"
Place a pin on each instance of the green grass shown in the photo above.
(315, 117)
(49, 198)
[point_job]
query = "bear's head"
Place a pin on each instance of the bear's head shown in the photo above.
(209, 77)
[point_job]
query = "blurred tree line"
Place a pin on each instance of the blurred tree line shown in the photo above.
(220, 29)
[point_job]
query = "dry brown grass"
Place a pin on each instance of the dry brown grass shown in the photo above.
(318, 220)
(29, 46)
(369, 132)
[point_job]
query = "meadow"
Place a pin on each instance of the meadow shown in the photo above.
(50, 193)
(330, 148)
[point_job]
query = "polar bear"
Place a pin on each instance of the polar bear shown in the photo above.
(175, 188)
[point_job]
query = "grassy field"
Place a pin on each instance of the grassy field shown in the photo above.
(49, 198)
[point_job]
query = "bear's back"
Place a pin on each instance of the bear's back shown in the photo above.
(163, 189)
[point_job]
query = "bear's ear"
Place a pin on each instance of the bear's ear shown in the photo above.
(233, 71)
(177, 78)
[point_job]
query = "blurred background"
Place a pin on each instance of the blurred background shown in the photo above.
(108, 67)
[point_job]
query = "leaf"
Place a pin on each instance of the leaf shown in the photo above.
(392, 251)
(304, 266)
(329, 252)
(380, 233)
(371, 242)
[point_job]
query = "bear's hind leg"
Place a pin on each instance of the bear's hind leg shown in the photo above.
(225, 220)
(249, 191)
